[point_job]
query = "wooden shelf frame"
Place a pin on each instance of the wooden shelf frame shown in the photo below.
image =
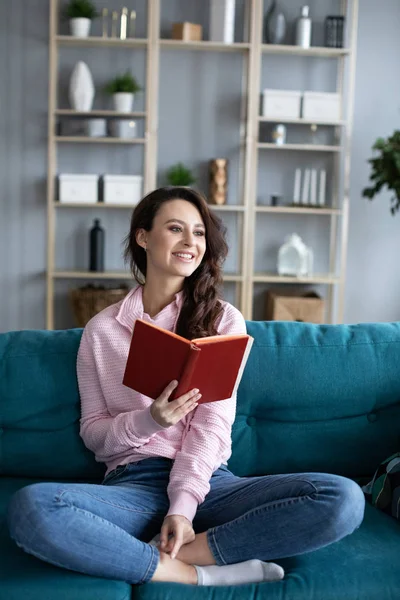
(340, 155)
(254, 52)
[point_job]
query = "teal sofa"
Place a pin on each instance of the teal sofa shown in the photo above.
(313, 398)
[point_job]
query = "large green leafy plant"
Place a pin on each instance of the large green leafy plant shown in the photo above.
(80, 9)
(386, 170)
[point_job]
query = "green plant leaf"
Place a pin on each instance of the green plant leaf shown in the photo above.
(123, 83)
(179, 175)
(80, 9)
(385, 169)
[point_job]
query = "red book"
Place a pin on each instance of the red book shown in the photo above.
(213, 364)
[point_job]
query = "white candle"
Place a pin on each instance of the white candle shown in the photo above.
(297, 184)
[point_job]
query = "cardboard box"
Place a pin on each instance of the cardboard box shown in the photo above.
(188, 32)
(308, 308)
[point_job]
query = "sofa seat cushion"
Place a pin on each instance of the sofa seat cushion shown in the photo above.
(24, 576)
(363, 566)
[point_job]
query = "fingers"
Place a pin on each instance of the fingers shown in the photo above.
(164, 536)
(185, 403)
(178, 539)
(168, 390)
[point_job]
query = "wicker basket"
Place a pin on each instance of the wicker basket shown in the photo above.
(86, 302)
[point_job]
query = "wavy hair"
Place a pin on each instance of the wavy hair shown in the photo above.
(201, 290)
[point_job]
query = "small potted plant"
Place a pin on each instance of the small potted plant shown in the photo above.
(123, 89)
(386, 170)
(80, 14)
(179, 175)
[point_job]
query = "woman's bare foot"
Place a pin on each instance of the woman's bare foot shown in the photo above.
(197, 552)
(174, 570)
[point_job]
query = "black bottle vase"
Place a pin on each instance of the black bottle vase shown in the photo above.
(96, 250)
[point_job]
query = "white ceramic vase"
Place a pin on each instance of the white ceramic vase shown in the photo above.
(123, 102)
(81, 88)
(295, 258)
(80, 28)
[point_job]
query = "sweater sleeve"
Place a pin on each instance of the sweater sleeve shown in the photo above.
(103, 434)
(207, 443)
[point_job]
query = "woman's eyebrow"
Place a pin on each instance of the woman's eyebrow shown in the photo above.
(182, 222)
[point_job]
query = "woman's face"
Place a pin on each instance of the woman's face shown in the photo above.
(177, 241)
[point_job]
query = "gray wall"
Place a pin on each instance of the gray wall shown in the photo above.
(190, 84)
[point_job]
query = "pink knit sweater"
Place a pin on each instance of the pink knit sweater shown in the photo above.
(116, 423)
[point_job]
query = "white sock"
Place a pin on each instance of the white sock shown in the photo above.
(250, 571)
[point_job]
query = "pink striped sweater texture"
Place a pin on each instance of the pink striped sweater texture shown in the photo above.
(116, 423)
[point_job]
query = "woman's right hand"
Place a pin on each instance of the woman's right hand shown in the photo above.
(167, 413)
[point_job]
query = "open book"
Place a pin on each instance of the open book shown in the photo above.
(213, 364)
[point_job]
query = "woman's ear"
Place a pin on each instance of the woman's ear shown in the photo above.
(141, 238)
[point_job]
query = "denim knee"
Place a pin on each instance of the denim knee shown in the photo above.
(25, 508)
(347, 508)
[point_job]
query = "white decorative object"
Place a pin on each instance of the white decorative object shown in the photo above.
(279, 135)
(295, 259)
(322, 187)
(222, 21)
(78, 188)
(122, 189)
(80, 27)
(122, 128)
(321, 106)
(313, 187)
(281, 104)
(123, 101)
(96, 128)
(306, 187)
(81, 88)
(297, 185)
(303, 28)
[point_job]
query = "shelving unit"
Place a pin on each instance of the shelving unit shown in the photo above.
(248, 212)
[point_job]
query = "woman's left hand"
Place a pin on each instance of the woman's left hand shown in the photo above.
(182, 533)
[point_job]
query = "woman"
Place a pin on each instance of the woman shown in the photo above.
(166, 461)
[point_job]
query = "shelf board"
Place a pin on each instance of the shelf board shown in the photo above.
(96, 205)
(319, 51)
(67, 112)
(118, 275)
(301, 210)
(275, 278)
(206, 45)
(341, 123)
(92, 140)
(69, 40)
(302, 147)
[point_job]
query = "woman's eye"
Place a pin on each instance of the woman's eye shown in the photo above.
(200, 233)
(175, 228)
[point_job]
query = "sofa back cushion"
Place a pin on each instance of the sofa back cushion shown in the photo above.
(312, 398)
(318, 398)
(39, 406)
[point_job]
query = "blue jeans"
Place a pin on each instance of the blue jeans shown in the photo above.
(104, 530)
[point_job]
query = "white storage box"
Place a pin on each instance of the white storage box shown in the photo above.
(321, 106)
(78, 188)
(281, 104)
(122, 189)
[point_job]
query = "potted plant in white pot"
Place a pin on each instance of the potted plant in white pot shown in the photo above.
(123, 89)
(80, 14)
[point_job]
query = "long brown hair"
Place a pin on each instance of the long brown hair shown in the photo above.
(201, 291)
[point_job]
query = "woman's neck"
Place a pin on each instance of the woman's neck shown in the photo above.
(157, 296)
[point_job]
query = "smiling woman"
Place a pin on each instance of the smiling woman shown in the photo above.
(176, 243)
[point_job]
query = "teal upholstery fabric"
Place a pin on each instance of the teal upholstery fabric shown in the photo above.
(24, 577)
(318, 398)
(39, 407)
(313, 398)
(362, 566)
